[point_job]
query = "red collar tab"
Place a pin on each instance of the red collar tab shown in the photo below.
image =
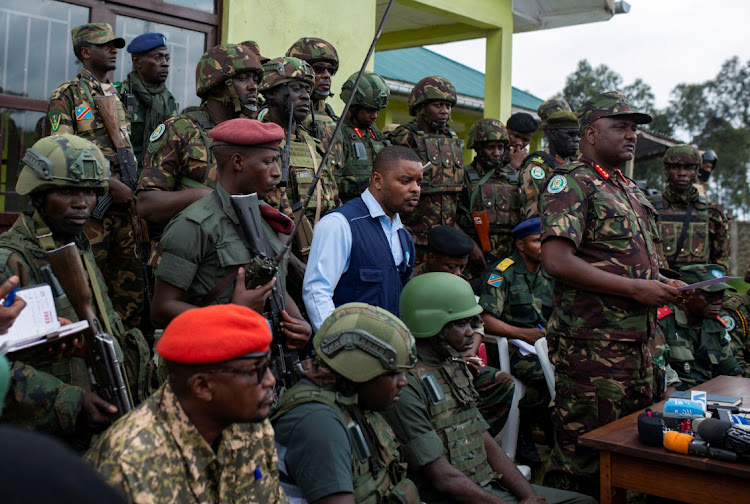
(664, 311)
(372, 135)
(601, 171)
(721, 320)
(358, 132)
(622, 177)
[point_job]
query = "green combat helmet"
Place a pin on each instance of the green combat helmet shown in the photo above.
(285, 69)
(312, 50)
(487, 130)
(682, 154)
(361, 342)
(62, 161)
(431, 89)
(551, 106)
(430, 301)
(219, 64)
(372, 91)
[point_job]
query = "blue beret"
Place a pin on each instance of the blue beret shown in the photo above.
(146, 42)
(449, 241)
(528, 227)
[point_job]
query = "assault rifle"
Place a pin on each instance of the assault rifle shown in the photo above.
(105, 368)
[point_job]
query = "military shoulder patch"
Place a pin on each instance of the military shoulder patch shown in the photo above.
(504, 264)
(537, 172)
(495, 280)
(664, 311)
(728, 321)
(556, 184)
(83, 112)
(54, 119)
(157, 133)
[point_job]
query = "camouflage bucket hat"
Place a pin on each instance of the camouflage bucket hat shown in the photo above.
(431, 89)
(487, 130)
(312, 50)
(609, 104)
(285, 69)
(62, 161)
(362, 342)
(372, 91)
(551, 106)
(96, 33)
(693, 273)
(222, 62)
(682, 154)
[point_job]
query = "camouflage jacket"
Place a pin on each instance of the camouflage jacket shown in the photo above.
(178, 155)
(735, 313)
(352, 162)
(325, 122)
(613, 227)
(70, 111)
(534, 172)
(707, 237)
(697, 354)
(443, 180)
(513, 294)
(155, 455)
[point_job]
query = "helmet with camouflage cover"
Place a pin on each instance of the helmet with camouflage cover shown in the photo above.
(361, 342)
(431, 89)
(682, 154)
(372, 91)
(221, 63)
(430, 301)
(62, 161)
(313, 49)
(551, 106)
(487, 130)
(285, 69)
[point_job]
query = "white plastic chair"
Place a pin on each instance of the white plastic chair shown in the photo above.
(547, 368)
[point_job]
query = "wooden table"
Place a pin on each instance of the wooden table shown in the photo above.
(626, 463)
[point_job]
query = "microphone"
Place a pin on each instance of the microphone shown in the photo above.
(723, 434)
(686, 444)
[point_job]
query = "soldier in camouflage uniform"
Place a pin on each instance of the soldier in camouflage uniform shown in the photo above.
(735, 313)
(693, 231)
(360, 139)
(204, 436)
(324, 60)
(450, 454)
(598, 243)
(179, 168)
(430, 102)
(322, 422)
(562, 131)
(64, 175)
(491, 189)
(72, 109)
(698, 340)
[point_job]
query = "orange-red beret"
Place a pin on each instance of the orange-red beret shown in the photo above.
(248, 132)
(215, 333)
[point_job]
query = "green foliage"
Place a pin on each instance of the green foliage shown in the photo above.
(587, 81)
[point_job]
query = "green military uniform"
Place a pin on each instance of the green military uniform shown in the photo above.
(533, 174)
(735, 313)
(157, 456)
(353, 167)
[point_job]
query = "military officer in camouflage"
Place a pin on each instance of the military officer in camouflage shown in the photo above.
(72, 109)
(360, 139)
(204, 436)
(179, 168)
(63, 175)
(735, 313)
(562, 131)
(450, 455)
(491, 193)
(324, 423)
(143, 92)
(324, 60)
(598, 243)
(698, 339)
(693, 230)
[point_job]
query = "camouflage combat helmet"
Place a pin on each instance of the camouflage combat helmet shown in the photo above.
(431, 300)
(285, 69)
(221, 63)
(682, 154)
(551, 106)
(312, 50)
(372, 91)
(362, 342)
(62, 161)
(431, 89)
(487, 130)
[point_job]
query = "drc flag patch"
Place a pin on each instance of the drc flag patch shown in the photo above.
(495, 280)
(83, 113)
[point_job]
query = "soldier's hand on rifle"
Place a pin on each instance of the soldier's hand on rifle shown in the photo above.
(296, 331)
(8, 314)
(96, 411)
(121, 193)
(255, 299)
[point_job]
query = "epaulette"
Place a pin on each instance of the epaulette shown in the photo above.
(664, 311)
(504, 264)
(536, 159)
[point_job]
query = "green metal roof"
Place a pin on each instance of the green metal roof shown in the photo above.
(412, 64)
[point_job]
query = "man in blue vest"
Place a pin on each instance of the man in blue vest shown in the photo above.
(361, 252)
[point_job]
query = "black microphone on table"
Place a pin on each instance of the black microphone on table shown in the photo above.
(723, 434)
(680, 442)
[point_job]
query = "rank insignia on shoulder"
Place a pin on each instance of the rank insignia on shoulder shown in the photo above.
(504, 264)
(664, 311)
(54, 119)
(495, 280)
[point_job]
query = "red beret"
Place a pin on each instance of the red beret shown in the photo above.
(215, 333)
(247, 132)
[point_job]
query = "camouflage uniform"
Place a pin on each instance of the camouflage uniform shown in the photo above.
(157, 456)
(443, 180)
(534, 173)
(551, 106)
(735, 313)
